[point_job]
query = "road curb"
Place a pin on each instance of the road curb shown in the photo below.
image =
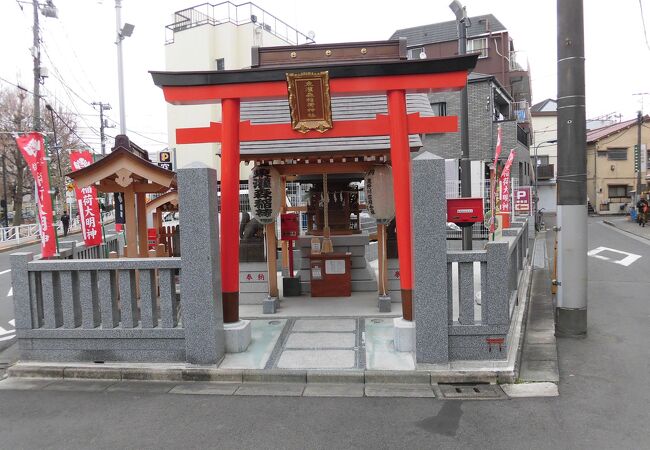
(612, 224)
(257, 376)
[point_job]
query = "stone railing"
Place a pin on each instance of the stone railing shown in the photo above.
(97, 309)
(482, 294)
(464, 303)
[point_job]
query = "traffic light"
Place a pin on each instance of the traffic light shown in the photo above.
(637, 159)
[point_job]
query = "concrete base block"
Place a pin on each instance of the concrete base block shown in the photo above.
(404, 335)
(238, 336)
(270, 305)
(384, 303)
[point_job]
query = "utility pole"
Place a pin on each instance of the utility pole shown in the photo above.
(4, 191)
(571, 311)
(642, 170)
(49, 10)
(58, 149)
(102, 123)
(465, 162)
(36, 56)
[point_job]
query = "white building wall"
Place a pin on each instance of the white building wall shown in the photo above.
(545, 129)
(196, 49)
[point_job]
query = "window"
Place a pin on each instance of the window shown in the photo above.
(617, 191)
(542, 160)
(221, 64)
(439, 108)
(478, 45)
(617, 154)
(414, 53)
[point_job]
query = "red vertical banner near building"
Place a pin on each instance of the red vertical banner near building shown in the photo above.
(89, 214)
(505, 184)
(493, 182)
(32, 147)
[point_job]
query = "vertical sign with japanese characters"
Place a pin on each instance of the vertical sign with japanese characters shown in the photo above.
(309, 101)
(505, 184)
(89, 214)
(32, 147)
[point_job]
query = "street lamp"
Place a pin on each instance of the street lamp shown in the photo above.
(550, 141)
(122, 32)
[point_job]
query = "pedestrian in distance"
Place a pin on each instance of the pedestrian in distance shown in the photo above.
(642, 211)
(65, 221)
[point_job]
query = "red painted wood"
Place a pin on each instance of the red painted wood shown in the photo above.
(190, 95)
(230, 207)
(401, 162)
(344, 128)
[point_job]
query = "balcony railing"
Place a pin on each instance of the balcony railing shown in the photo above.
(227, 12)
(523, 136)
(546, 172)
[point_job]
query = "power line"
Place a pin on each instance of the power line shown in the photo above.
(645, 32)
(69, 127)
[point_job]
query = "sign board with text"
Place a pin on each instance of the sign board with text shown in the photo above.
(522, 200)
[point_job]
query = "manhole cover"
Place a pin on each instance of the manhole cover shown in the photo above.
(471, 391)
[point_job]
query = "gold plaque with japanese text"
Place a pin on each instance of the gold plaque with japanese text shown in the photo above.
(309, 101)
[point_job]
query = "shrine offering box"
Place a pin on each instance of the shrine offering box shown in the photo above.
(330, 275)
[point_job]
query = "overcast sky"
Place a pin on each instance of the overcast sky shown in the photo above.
(78, 48)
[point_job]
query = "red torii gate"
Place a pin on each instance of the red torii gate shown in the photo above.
(394, 79)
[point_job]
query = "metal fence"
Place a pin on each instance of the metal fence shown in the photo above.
(31, 232)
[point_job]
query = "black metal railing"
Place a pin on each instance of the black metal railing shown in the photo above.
(546, 172)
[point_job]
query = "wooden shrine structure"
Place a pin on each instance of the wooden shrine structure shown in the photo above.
(328, 72)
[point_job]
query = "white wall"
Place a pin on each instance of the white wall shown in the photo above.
(197, 49)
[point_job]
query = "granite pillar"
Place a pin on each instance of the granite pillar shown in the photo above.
(200, 265)
(430, 245)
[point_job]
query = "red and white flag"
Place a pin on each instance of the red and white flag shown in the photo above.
(505, 183)
(32, 147)
(493, 180)
(89, 214)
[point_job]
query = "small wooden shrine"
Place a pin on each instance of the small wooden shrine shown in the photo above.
(315, 112)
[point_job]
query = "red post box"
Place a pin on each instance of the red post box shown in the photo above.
(465, 211)
(289, 230)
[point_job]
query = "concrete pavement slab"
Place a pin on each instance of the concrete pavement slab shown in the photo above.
(540, 352)
(317, 359)
(324, 325)
(522, 390)
(79, 385)
(320, 340)
(539, 371)
(205, 388)
(333, 390)
(24, 384)
(151, 387)
(271, 389)
(399, 390)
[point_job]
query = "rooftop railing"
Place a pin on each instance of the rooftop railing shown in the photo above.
(228, 12)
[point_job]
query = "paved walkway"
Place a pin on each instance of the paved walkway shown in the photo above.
(626, 224)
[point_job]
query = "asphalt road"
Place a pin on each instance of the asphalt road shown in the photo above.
(603, 404)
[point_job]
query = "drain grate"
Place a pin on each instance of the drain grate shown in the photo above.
(471, 391)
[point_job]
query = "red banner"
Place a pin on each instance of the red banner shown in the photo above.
(505, 183)
(89, 214)
(32, 147)
(493, 181)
